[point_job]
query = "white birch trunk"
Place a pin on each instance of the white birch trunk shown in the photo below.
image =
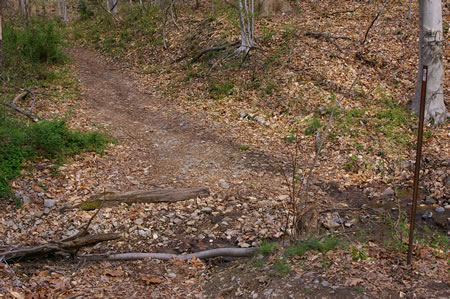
(431, 53)
(246, 21)
(113, 6)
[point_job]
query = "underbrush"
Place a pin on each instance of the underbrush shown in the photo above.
(282, 259)
(48, 139)
(34, 60)
(134, 27)
(30, 50)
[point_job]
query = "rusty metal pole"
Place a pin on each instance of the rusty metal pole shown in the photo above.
(412, 221)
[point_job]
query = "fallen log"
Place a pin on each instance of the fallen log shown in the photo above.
(40, 251)
(109, 199)
(218, 252)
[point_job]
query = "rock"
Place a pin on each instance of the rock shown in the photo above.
(447, 207)
(49, 203)
(388, 192)
(338, 220)
(430, 201)
(283, 197)
(244, 245)
(439, 210)
(25, 200)
(268, 292)
(348, 224)
(329, 223)
(316, 281)
(171, 275)
(324, 283)
(224, 184)
(142, 233)
(139, 221)
(427, 215)
(447, 181)
(207, 210)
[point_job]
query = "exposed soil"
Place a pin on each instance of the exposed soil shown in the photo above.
(176, 147)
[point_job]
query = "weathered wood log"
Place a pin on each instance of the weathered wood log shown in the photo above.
(109, 199)
(54, 247)
(234, 252)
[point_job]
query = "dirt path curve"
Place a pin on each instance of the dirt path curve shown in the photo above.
(168, 146)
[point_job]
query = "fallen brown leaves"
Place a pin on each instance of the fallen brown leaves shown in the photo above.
(173, 133)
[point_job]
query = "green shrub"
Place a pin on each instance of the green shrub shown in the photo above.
(84, 10)
(218, 90)
(38, 42)
(268, 247)
(49, 139)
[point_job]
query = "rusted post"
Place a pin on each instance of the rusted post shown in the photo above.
(412, 221)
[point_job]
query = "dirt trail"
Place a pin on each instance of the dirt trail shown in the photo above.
(173, 148)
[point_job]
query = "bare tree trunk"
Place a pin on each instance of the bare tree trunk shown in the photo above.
(64, 10)
(1, 35)
(431, 53)
(247, 23)
(113, 5)
(409, 10)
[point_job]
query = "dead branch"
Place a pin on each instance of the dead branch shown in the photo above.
(110, 199)
(20, 110)
(20, 96)
(234, 252)
(328, 35)
(55, 247)
(380, 11)
(330, 38)
(216, 48)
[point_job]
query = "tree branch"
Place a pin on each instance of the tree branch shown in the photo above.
(235, 252)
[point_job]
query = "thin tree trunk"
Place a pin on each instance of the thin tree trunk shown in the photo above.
(64, 10)
(1, 36)
(409, 10)
(246, 21)
(431, 53)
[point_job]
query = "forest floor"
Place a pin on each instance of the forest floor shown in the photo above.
(169, 144)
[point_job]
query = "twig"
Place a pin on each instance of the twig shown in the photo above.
(322, 138)
(373, 21)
